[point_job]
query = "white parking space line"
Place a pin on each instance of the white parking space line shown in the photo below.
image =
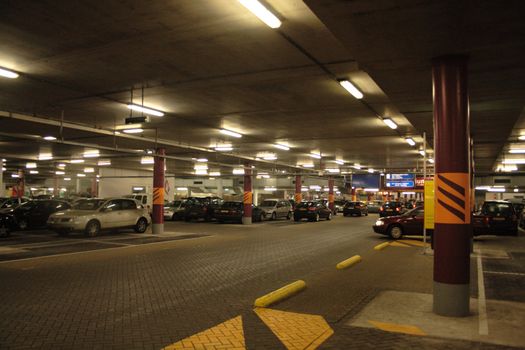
(506, 273)
(482, 302)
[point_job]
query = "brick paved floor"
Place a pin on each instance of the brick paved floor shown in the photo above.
(151, 296)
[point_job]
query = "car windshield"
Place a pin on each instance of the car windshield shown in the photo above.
(350, 204)
(497, 209)
(268, 203)
(88, 204)
(306, 204)
(235, 205)
(413, 212)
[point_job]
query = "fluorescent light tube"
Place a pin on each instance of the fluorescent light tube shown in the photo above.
(351, 89)
(224, 148)
(371, 171)
(230, 133)
(201, 172)
(238, 171)
(333, 170)
(307, 165)
(59, 173)
(315, 155)
(422, 153)
(89, 170)
(81, 175)
(492, 189)
(182, 188)
(30, 165)
(92, 154)
(357, 166)
(215, 173)
(270, 189)
(283, 147)
(391, 124)
(514, 161)
(146, 110)
(76, 161)
(340, 162)
(49, 138)
(200, 167)
(262, 13)
(371, 189)
(522, 137)
(133, 131)
(410, 141)
(202, 160)
(431, 160)
(67, 179)
(104, 162)
(147, 160)
(45, 156)
(6, 73)
(33, 171)
(517, 151)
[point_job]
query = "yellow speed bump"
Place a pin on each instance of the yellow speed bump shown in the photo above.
(280, 294)
(381, 246)
(349, 262)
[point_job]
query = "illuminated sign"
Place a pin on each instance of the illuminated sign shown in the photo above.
(399, 177)
(400, 184)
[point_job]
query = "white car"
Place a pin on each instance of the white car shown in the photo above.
(276, 208)
(92, 215)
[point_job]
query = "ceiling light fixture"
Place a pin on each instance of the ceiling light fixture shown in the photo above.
(81, 175)
(514, 161)
(333, 170)
(215, 173)
(59, 173)
(6, 73)
(15, 176)
(89, 170)
(357, 166)
(410, 141)
(431, 160)
(145, 110)
(371, 170)
(104, 162)
(147, 160)
(182, 188)
(200, 167)
(422, 152)
(270, 189)
(230, 133)
(307, 165)
(351, 89)
(315, 155)
(201, 172)
(76, 161)
(238, 171)
(391, 124)
(224, 148)
(33, 172)
(45, 156)
(30, 165)
(67, 179)
(202, 160)
(49, 138)
(280, 146)
(340, 162)
(517, 151)
(262, 13)
(92, 153)
(522, 137)
(507, 168)
(133, 131)
(61, 165)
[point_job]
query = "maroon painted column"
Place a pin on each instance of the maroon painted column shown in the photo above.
(248, 196)
(331, 193)
(298, 187)
(452, 186)
(94, 187)
(158, 192)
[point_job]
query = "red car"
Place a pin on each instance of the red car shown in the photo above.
(496, 218)
(409, 223)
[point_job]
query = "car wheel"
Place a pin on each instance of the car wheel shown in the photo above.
(296, 219)
(289, 216)
(273, 217)
(174, 217)
(4, 230)
(329, 217)
(395, 231)
(345, 214)
(141, 226)
(366, 213)
(92, 228)
(22, 224)
(316, 218)
(261, 217)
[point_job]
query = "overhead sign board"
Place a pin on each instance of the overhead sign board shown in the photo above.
(365, 180)
(400, 184)
(399, 177)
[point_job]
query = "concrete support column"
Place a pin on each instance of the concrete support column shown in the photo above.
(158, 192)
(298, 186)
(452, 187)
(21, 184)
(331, 194)
(248, 196)
(354, 196)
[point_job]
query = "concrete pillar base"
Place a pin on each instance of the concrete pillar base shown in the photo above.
(157, 229)
(246, 221)
(451, 300)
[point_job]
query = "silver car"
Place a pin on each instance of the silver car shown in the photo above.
(175, 210)
(276, 208)
(92, 215)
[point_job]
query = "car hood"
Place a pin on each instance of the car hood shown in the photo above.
(74, 213)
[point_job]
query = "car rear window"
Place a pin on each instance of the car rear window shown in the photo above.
(392, 204)
(497, 209)
(350, 204)
(306, 204)
(268, 203)
(235, 205)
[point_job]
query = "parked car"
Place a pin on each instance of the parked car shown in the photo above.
(409, 223)
(7, 205)
(355, 208)
(495, 217)
(234, 211)
(312, 210)
(93, 215)
(338, 206)
(34, 214)
(142, 198)
(276, 208)
(201, 208)
(7, 224)
(392, 208)
(175, 210)
(374, 206)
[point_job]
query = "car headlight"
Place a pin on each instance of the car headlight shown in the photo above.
(380, 223)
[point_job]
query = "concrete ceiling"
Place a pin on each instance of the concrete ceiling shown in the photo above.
(212, 65)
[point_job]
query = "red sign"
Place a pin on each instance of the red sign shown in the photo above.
(420, 181)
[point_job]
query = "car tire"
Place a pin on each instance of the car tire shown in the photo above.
(296, 219)
(395, 231)
(329, 217)
(345, 214)
(261, 217)
(366, 214)
(316, 217)
(141, 226)
(273, 217)
(174, 217)
(289, 216)
(22, 225)
(92, 228)
(5, 231)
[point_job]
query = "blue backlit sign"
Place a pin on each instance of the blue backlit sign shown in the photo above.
(400, 184)
(399, 177)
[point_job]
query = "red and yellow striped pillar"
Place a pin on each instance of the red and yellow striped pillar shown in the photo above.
(298, 187)
(158, 192)
(331, 194)
(248, 196)
(354, 195)
(452, 187)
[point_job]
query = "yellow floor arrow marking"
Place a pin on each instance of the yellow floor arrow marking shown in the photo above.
(227, 335)
(398, 328)
(294, 330)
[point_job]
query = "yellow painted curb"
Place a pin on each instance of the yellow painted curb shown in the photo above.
(349, 262)
(381, 246)
(280, 294)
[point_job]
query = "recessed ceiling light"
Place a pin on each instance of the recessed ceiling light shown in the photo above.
(146, 110)
(280, 146)
(33, 171)
(45, 156)
(92, 153)
(89, 170)
(147, 160)
(76, 161)
(351, 89)
(50, 138)
(6, 73)
(391, 124)
(67, 179)
(315, 155)
(104, 162)
(410, 141)
(262, 13)
(230, 133)
(333, 170)
(4, 169)
(59, 172)
(30, 165)
(81, 175)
